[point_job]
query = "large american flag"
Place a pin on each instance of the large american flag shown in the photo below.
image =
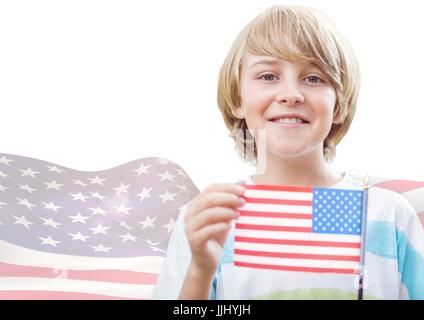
(300, 229)
(68, 234)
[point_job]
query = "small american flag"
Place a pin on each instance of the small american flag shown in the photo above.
(300, 229)
(68, 234)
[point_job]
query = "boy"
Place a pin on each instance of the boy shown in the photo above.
(292, 75)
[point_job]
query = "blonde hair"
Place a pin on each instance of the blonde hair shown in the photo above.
(277, 32)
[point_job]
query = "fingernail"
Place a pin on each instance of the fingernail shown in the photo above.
(240, 189)
(242, 201)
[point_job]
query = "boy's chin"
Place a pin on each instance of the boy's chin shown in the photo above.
(289, 152)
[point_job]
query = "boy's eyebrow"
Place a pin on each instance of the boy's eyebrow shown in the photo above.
(265, 62)
(277, 62)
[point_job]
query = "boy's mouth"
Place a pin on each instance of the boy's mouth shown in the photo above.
(289, 119)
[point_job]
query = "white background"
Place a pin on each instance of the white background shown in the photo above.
(94, 84)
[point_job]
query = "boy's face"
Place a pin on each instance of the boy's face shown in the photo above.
(272, 90)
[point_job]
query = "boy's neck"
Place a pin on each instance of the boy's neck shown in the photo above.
(310, 170)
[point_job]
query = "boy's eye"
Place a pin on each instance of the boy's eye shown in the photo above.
(314, 79)
(268, 77)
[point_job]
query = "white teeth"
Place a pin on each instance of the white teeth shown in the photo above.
(289, 120)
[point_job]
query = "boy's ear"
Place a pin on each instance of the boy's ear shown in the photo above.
(239, 112)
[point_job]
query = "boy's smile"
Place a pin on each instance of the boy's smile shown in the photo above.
(289, 120)
(293, 101)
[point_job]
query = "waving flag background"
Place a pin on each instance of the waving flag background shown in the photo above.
(67, 234)
(299, 229)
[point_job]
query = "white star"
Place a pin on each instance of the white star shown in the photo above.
(167, 196)
(98, 210)
(142, 169)
(97, 180)
(6, 161)
(97, 195)
(23, 221)
(124, 224)
(50, 222)
(156, 249)
(128, 237)
(2, 204)
(123, 209)
(79, 182)
(28, 172)
(79, 196)
(166, 176)
(101, 248)
(122, 188)
(51, 206)
(144, 194)
(99, 229)
(55, 169)
(49, 241)
(150, 242)
(53, 185)
(3, 175)
(148, 222)
(3, 188)
(27, 188)
(26, 203)
(79, 218)
(79, 236)
(170, 225)
(183, 189)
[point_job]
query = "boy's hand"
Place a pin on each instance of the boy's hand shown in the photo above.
(208, 221)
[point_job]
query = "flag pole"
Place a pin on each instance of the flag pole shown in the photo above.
(363, 238)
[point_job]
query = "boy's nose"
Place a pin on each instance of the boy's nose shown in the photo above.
(290, 96)
(291, 100)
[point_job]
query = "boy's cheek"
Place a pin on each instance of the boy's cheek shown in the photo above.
(257, 107)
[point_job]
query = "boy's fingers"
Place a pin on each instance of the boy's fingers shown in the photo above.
(212, 216)
(225, 187)
(207, 233)
(215, 199)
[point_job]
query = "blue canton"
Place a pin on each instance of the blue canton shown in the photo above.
(337, 211)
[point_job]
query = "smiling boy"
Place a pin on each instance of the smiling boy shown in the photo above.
(291, 74)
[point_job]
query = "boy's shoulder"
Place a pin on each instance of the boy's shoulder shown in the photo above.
(383, 199)
(378, 191)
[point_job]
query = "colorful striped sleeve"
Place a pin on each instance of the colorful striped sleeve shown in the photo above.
(410, 252)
